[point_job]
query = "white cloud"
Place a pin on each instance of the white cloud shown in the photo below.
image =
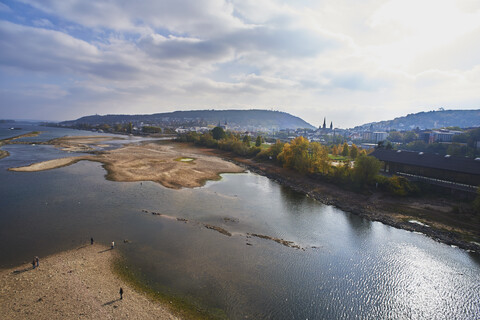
(43, 50)
(352, 61)
(194, 17)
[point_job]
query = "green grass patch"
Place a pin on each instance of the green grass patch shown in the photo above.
(262, 146)
(182, 307)
(185, 159)
(338, 158)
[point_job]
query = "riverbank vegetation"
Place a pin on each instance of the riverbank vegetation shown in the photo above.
(343, 165)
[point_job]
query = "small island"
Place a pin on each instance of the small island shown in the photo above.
(151, 161)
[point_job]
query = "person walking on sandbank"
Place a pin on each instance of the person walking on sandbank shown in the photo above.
(36, 260)
(113, 244)
(91, 240)
(121, 294)
(33, 263)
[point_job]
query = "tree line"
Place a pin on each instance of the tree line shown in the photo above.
(357, 171)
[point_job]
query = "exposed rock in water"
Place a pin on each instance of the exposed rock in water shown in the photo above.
(286, 243)
(218, 229)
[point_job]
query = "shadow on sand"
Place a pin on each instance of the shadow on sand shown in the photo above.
(84, 246)
(22, 270)
(105, 250)
(110, 302)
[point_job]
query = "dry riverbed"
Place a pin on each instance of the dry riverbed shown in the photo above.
(77, 284)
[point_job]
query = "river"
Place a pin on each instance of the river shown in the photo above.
(346, 268)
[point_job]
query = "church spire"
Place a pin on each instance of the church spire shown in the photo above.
(331, 125)
(324, 123)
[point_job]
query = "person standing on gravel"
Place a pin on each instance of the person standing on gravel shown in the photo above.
(36, 260)
(121, 294)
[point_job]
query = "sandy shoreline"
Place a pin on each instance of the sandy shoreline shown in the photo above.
(79, 283)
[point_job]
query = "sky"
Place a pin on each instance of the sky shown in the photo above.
(347, 60)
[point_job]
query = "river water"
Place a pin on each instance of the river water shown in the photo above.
(347, 267)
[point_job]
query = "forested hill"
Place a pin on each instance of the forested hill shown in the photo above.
(429, 120)
(234, 118)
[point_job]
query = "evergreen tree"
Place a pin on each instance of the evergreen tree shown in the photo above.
(345, 150)
(353, 152)
(258, 142)
(218, 133)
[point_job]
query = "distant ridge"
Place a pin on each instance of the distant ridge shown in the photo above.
(248, 119)
(429, 120)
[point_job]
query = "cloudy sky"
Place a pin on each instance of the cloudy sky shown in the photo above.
(348, 60)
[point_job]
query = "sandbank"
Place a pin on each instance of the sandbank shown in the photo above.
(47, 165)
(157, 162)
(82, 143)
(3, 154)
(77, 284)
(11, 140)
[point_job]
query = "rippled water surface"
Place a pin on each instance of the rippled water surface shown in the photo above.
(347, 267)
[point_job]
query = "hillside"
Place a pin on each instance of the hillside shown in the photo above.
(429, 120)
(245, 119)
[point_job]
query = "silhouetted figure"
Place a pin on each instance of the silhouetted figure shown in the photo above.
(91, 240)
(36, 260)
(121, 294)
(33, 263)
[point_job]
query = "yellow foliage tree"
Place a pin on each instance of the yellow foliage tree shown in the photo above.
(304, 156)
(319, 160)
(335, 150)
